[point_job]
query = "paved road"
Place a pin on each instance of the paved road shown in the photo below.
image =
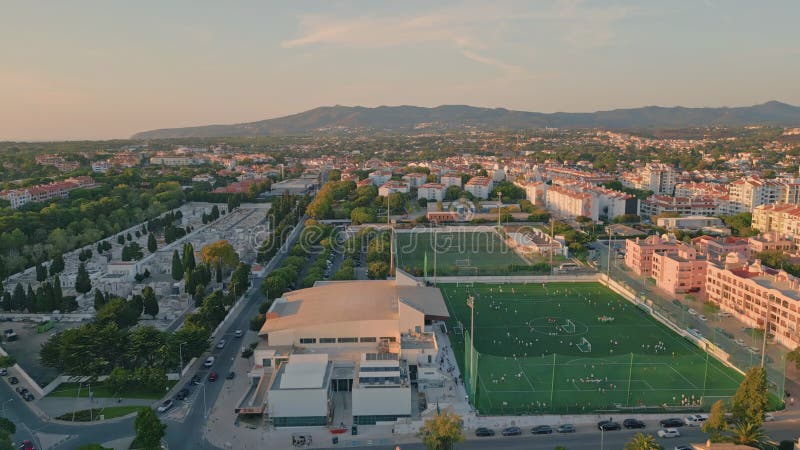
(591, 439)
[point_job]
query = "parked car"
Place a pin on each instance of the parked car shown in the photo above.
(231, 375)
(566, 428)
(26, 445)
(209, 361)
(608, 425)
(221, 344)
(684, 447)
(21, 391)
(768, 417)
(238, 333)
(542, 429)
(740, 342)
(669, 433)
(483, 432)
(692, 312)
(632, 423)
(165, 406)
(672, 422)
(28, 397)
(196, 380)
(695, 420)
(511, 431)
(212, 376)
(182, 394)
(3, 372)
(702, 318)
(13, 380)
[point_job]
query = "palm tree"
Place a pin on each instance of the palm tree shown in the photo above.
(747, 433)
(643, 442)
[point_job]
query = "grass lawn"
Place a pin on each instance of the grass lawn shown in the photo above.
(479, 252)
(102, 391)
(532, 354)
(111, 412)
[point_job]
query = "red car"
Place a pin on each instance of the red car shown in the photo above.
(212, 376)
(27, 445)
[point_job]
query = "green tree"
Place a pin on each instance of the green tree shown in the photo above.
(257, 321)
(750, 400)
(748, 433)
(149, 430)
(92, 447)
(221, 252)
(152, 245)
(41, 272)
(18, 299)
(715, 425)
(188, 257)
(150, 301)
(794, 356)
(99, 299)
(377, 270)
(177, 266)
(441, 432)
(83, 283)
(57, 266)
(362, 215)
(7, 426)
(643, 442)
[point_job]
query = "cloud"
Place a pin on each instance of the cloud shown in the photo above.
(509, 68)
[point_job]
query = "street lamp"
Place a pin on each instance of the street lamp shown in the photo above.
(4, 405)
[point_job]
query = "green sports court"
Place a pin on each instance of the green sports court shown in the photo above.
(575, 348)
(477, 252)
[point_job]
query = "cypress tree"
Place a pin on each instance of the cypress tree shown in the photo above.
(177, 266)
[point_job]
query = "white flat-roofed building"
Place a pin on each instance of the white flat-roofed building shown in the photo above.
(381, 391)
(300, 392)
(689, 223)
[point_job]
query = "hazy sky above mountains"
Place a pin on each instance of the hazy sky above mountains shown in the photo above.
(106, 69)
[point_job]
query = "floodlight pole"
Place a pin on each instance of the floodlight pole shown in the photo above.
(435, 252)
(553, 381)
(602, 438)
(471, 304)
(630, 375)
(608, 264)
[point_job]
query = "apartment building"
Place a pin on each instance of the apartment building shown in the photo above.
(431, 191)
(46, 192)
(480, 187)
(748, 193)
(450, 180)
(781, 218)
(656, 205)
(771, 241)
(393, 187)
(680, 270)
(700, 189)
(581, 199)
(567, 173)
(380, 177)
(639, 252)
(689, 222)
(536, 192)
(415, 179)
(758, 296)
(717, 249)
(657, 177)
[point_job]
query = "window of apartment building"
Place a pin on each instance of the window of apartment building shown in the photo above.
(346, 340)
(389, 339)
(327, 340)
(308, 340)
(369, 339)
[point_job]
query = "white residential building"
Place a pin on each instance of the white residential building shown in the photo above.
(480, 187)
(431, 191)
(380, 177)
(450, 180)
(393, 187)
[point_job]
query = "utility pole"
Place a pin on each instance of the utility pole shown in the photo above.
(608, 264)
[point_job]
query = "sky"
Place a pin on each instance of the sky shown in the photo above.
(107, 69)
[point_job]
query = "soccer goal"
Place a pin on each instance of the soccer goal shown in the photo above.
(459, 329)
(584, 345)
(463, 262)
(568, 327)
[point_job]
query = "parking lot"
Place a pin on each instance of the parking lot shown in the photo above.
(26, 348)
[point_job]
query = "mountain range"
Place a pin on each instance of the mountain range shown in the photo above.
(455, 117)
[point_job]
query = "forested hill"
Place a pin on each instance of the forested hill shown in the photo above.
(454, 117)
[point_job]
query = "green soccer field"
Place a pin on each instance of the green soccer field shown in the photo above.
(576, 348)
(469, 253)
